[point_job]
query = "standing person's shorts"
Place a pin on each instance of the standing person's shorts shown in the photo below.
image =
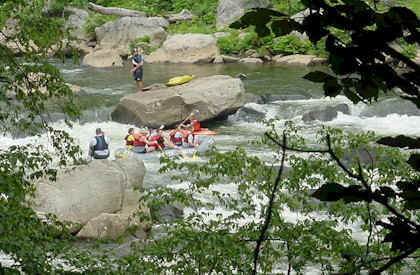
(138, 74)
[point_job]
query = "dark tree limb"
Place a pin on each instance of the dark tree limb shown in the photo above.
(269, 210)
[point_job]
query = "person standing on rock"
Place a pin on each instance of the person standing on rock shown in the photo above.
(137, 69)
(98, 147)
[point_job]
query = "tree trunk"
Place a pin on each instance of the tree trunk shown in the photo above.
(115, 11)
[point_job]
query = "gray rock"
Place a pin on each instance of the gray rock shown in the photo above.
(249, 114)
(215, 97)
(186, 48)
(76, 21)
(253, 98)
(184, 15)
(230, 59)
(121, 32)
(103, 58)
(218, 60)
(87, 191)
(228, 11)
(391, 106)
(167, 213)
(251, 60)
(221, 34)
(326, 114)
(300, 60)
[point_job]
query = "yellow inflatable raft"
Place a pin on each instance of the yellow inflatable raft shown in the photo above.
(179, 80)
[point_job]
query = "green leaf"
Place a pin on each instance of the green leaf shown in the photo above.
(262, 30)
(354, 194)
(414, 161)
(312, 4)
(412, 204)
(318, 76)
(283, 27)
(400, 141)
(330, 192)
(351, 95)
(331, 87)
(314, 27)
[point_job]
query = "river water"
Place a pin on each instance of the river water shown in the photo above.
(101, 89)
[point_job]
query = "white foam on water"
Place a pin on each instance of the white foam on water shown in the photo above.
(82, 134)
(392, 125)
(71, 71)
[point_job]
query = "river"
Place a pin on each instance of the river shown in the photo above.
(101, 89)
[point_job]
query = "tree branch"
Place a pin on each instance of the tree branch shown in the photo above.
(269, 210)
(393, 261)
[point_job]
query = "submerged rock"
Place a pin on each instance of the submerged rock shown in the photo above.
(326, 114)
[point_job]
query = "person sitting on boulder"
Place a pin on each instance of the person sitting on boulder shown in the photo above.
(98, 147)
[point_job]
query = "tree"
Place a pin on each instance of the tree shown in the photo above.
(382, 195)
(30, 86)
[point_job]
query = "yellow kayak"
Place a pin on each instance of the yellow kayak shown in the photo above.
(179, 80)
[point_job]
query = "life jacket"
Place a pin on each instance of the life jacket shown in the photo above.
(196, 125)
(100, 150)
(100, 144)
(137, 141)
(157, 138)
(176, 137)
(129, 140)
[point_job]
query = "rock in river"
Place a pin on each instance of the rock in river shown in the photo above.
(215, 97)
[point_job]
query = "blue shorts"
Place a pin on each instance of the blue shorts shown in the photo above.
(138, 74)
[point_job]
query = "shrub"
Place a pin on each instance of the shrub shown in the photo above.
(292, 45)
(191, 27)
(234, 44)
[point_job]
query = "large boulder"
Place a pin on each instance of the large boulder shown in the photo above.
(120, 33)
(228, 11)
(215, 97)
(87, 191)
(185, 48)
(184, 15)
(300, 60)
(103, 58)
(76, 21)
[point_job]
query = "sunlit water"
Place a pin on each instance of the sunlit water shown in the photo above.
(102, 89)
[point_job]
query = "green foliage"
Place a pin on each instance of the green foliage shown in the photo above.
(290, 7)
(292, 45)
(248, 190)
(363, 53)
(36, 245)
(191, 27)
(143, 43)
(410, 51)
(234, 44)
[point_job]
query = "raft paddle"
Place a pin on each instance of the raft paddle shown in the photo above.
(193, 113)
